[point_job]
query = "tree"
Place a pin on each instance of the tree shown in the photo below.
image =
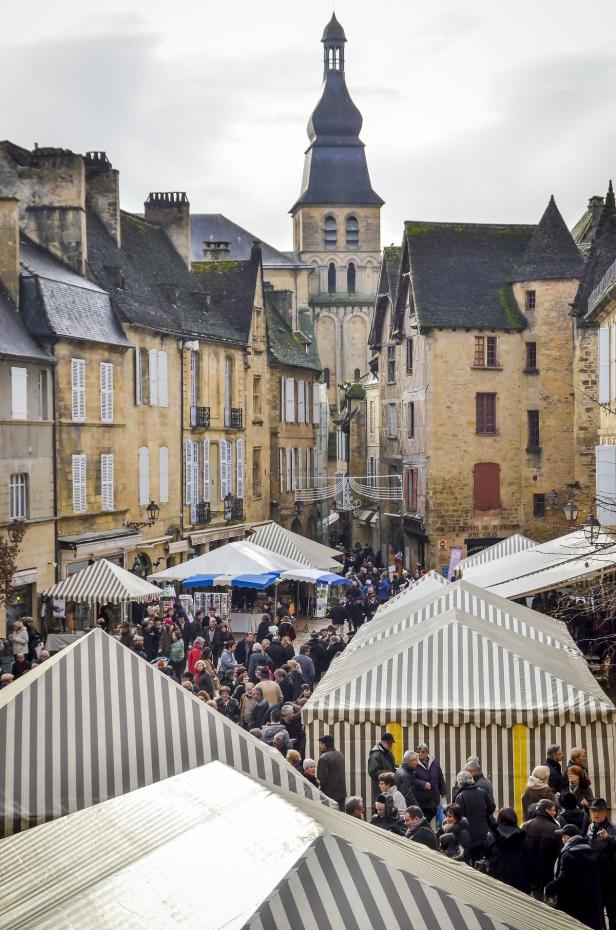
(9, 550)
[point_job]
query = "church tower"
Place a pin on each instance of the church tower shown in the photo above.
(336, 222)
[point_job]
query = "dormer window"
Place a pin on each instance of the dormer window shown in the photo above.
(352, 232)
(330, 232)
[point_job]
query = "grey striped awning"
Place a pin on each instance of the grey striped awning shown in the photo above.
(103, 582)
(430, 583)
(515, 543)
(458, 669)
(283, 542)
(293, 865)
(96, 721)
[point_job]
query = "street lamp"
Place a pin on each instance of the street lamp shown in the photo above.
(591, 527)
(299, 506)
(570, 510)
(153, 512)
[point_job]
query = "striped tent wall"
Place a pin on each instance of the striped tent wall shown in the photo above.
(429, 583)
(103, 582)
(336, 886)
(515, 543)
(452, 745)
(97, 721)
(277, 539)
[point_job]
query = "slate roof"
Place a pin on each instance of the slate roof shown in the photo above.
(215, 227)
(389, 280)
(602, 254)
(552, 254)
(285, 346)
(56, 301)
(15, 340)
(586, 227)
(158, 291)
(231, 286)
(333, 32)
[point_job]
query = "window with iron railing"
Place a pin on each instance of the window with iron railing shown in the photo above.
(200, 417)
(234, 418)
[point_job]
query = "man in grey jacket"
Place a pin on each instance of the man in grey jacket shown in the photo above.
(331, 771)
(405, 777)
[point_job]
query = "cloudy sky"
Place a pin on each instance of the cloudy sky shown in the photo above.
(472, 110)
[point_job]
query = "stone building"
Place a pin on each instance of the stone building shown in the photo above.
(476, 370)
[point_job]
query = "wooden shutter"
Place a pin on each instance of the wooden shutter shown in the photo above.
(413, 495)
(281, 470)
(106, 378)
(282, 400)
(163, 387)
(138, 377)
(163, 474)
(195, 480)
(188, 472)
(107, 496)
(604, 365)
(316, 403)
(301, 403)
(239, 468)
(19, 393)
(144, 476)
(79, 484)
(290, 401)
(487, 486)
(78, 388)
(224, 489)
(206, 469)
(289, 467)
(153, 377)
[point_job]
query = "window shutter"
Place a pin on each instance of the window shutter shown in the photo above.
(604, 365)
(144, 476)
(188, 494)
(153, 376)
(316, 403)
(290, 401)
(138, 377)
(206, 470)
(106, 378)
(289, 466)
(195, 480)
(163, 474)
(605, 458)
(194, 358)
(487, 486)
(301, 403)
(78, 386)
(79, 484)
(163, 386)
(107, 496)
(19, 393)
(224, 490)
(281, 470)
(282, 400)
(239, 467)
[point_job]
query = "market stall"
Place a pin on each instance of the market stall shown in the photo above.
(284, 542)
(312, 867)
(96, 721)
(429, 583)
(515, 543)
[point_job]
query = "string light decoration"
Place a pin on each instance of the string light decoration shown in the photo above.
(346, 490)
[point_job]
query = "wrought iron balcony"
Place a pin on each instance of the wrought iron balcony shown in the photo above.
(200, 514)
(234, 508)
(234, 418)
(200, 417)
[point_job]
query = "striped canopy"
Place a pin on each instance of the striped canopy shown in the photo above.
(515, 543)
(473, 600)
(430, 583)
(275, 538)
(121, 865)
(236, 558)
(458, 669)
(96, 721)
(103, 582)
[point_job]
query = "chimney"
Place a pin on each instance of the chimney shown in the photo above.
(255, 252)
(281, 302)
(9, 246)
(103, 192)
(171, 211)
(216, 251)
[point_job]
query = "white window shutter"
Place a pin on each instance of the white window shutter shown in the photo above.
(163, 384)
(206, 470)
(605, 458)
(163, 474)
(308, 392)
(78, 386)
(290, 401)
(316, 403)
(188, 495)
(106, 380)
(144, 476)
(289, 466)
(19, 393)
(283, 409)
(301, 403)
(604, 365)
(138, 377)
(79, 484)
(222, 448)
(153, 376)
(195, 482)
(107, 495)
(281, 470)
(239, 468)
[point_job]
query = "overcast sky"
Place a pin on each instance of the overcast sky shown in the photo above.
(472, 110)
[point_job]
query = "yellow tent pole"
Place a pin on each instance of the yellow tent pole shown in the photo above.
(398, 748)
(520, 765)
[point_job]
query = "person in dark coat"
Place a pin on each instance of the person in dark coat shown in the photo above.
(417, 827)
(305, 662)
(602, 838)
(543, 846)
(429, 782)
(257, 658)
(263, 628)
(355, 613)
(277, 652)
(554, 756)
(317, 654)
(405, 776)
(381, 759)
(192, 628)
(151, 637)
(571, 813)
(506, 851)
(335, 646)
(243, 650)
(473, 767)
(259, 711)
(339, 613)
(386, 817)
(331, 770)
(476, 806)
(292, 722)
(228, 706)
(577, 882)
(456, 825)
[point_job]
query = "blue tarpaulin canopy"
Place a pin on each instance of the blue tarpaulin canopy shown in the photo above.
(260, 581)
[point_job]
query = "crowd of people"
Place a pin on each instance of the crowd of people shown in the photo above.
(26, 652)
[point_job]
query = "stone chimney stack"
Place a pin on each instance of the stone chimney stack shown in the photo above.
(103, 192)
(9, 246)
(216, 251)
(171, 211)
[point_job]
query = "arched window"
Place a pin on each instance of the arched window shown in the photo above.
(351, 276)
(330, 234)
(352, 232)
(326, 377)
(331, 278)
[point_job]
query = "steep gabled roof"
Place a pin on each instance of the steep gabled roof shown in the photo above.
(214, 227)
(232, 287)
(288, 347)
(602, 254)
(551, 254)
(387, 293)
(15, 340)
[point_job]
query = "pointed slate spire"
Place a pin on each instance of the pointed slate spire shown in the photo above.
(551, 253)
(609, 200)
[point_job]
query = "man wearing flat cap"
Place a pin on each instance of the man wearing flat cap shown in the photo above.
(601, 837)
(381, 759)
(577, 884)
(330, 770)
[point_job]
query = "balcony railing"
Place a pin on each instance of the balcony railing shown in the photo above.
(234, 418)
(603, 288)
(200, 514)
(200, 417)
(234, 508)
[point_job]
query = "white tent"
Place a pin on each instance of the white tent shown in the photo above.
(554, 564)
(236, 558)
(294, 865)
(515, 543)
(277, 539)
(103, 582)
(430, 583)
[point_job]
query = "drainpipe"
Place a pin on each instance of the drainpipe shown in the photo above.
(54, 445)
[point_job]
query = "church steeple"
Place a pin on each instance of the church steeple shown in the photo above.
(333, 41)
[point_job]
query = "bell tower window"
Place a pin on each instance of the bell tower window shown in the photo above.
(330, 232)
(352, 232)
(331, 278)
(351, 278)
